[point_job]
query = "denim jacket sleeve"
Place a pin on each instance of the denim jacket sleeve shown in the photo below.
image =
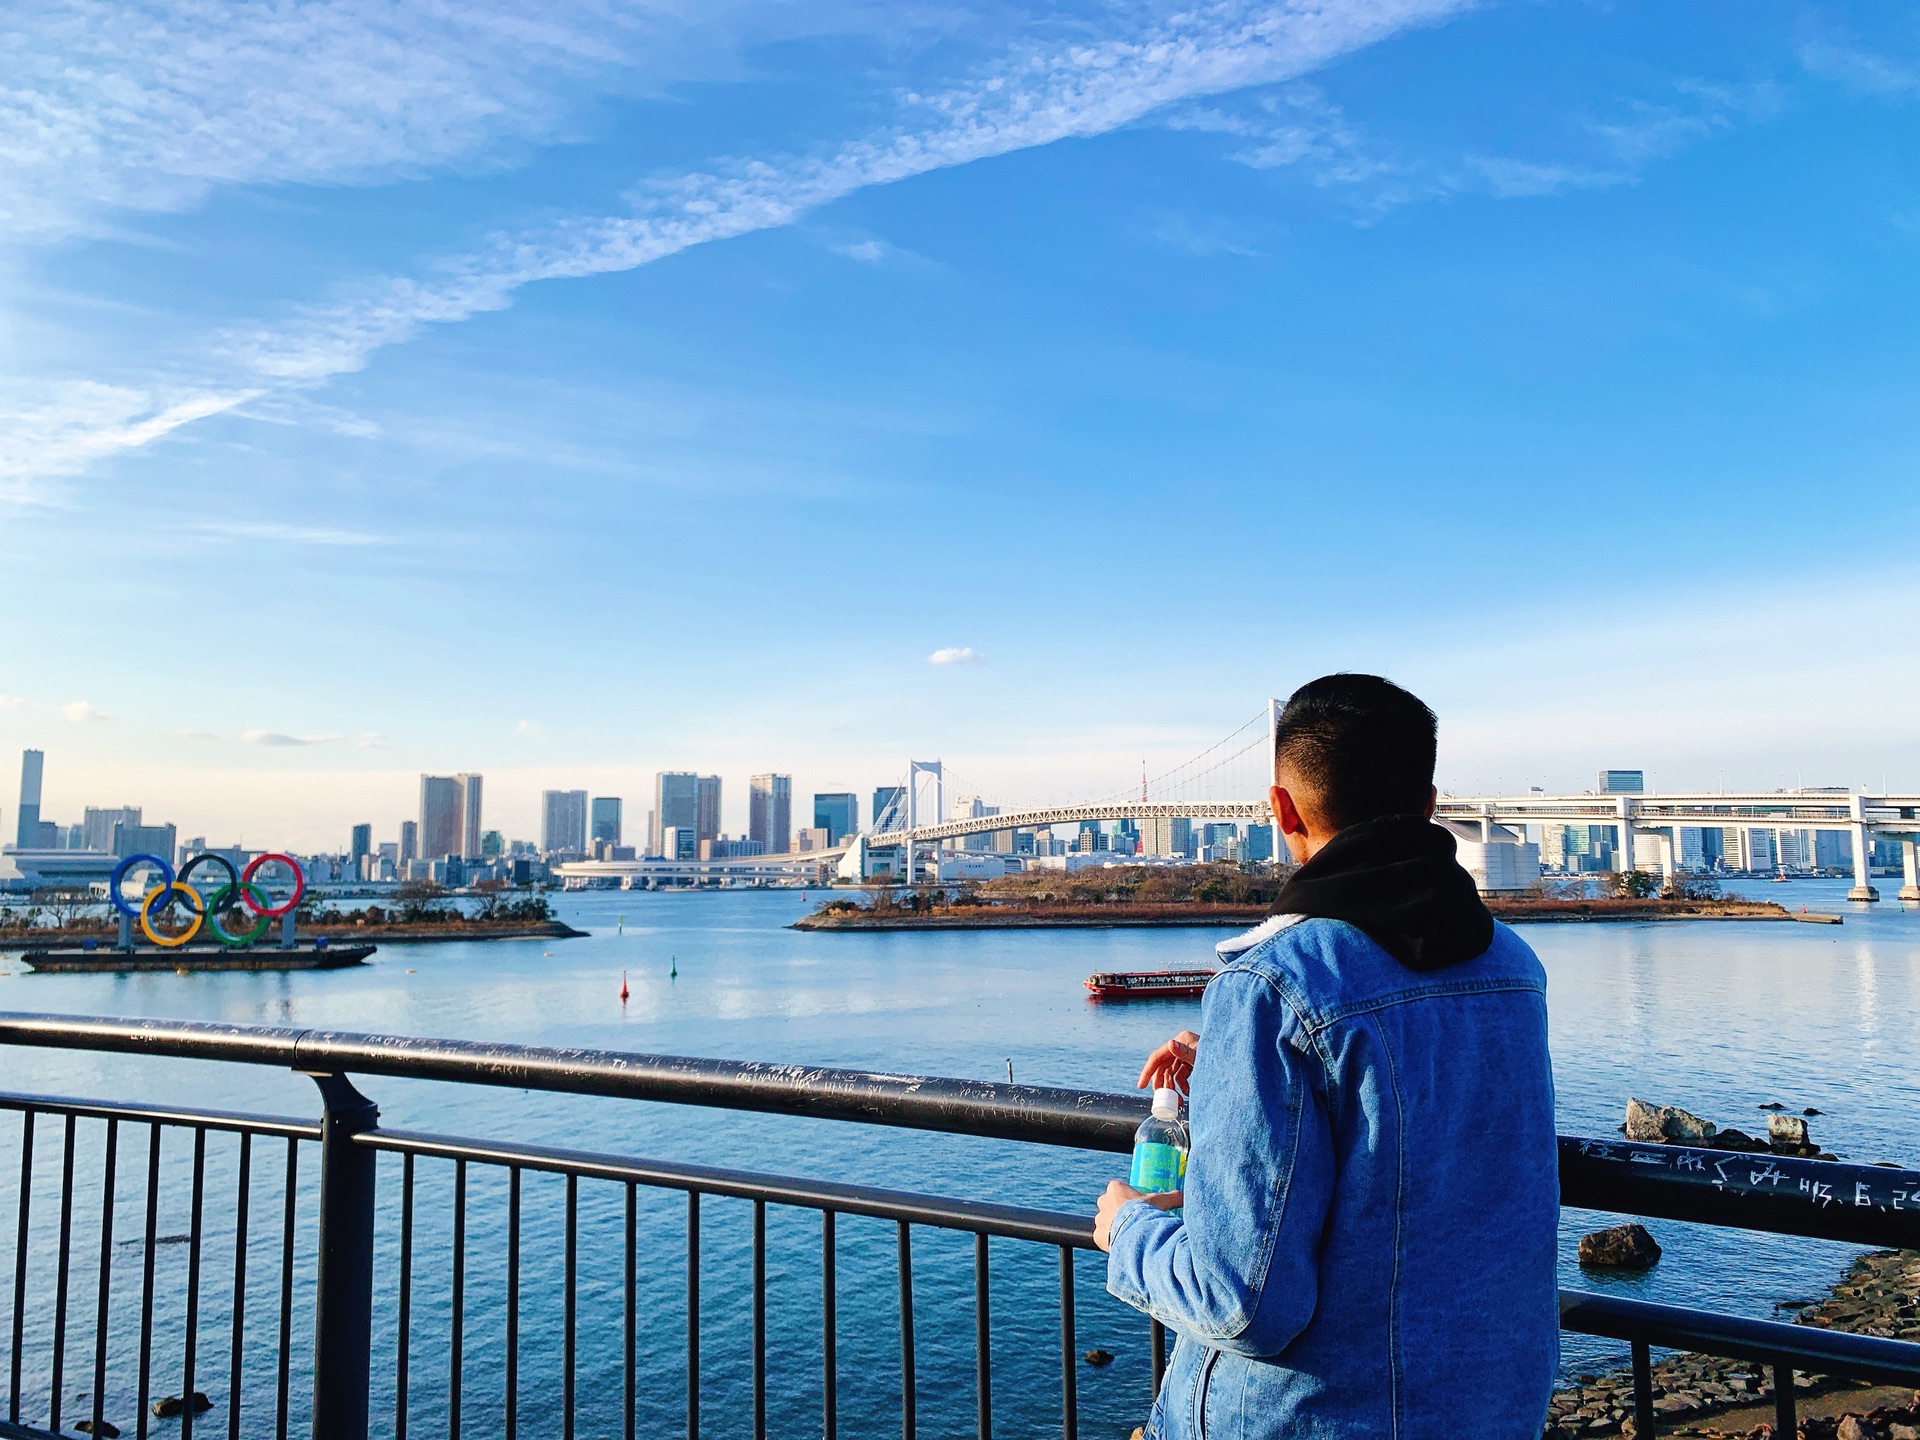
(1240, 1271)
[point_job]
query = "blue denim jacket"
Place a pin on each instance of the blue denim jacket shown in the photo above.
(1371, 1203)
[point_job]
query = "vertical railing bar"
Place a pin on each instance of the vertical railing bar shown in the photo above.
(572, 1300)
(191, 1352)
(289, 1213)
(59, 1384)
(829, 1327)
(693, 1315)
(104, 1304)
(456, 1339)
(1643, 1390)
(146, 1278)
(632, 1315)
(759, 1320)
(242, 1196)
(1069, 1366)
(23, 1207)
(982, 1336)
(1157, 1344)
(1785, 1421)
(513, 1302)
(403, 1341)
(909, 1419)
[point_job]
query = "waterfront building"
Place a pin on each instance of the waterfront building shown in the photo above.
(838, 814)
(97, 826)
(679, 842)
(604, 819)
(27, 830)
(816, 838)
(1623, 782)
(442, 813)
(1832, 850)
(725, 849)
(1091, 838)
(1499, 858)
(707, 803)
(409, 847)
(492, 845)
(362, 842)
(889, 807)
(676, 806)
(469, 816)
(563, 822)
(1257, 844)
(770, 812)
(144, 840)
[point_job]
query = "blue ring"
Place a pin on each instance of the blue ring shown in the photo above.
(120, 873)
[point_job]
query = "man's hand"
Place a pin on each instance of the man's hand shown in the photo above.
(1171, 1064)
(1118, 1193)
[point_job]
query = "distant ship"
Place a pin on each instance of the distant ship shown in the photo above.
(1148, 984)
(1780, 877)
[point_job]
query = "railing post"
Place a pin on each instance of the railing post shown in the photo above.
(343, 1308)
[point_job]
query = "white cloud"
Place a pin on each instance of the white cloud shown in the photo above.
(12, 702)
(290, 534)
(954, 655)
(80, 712)
(60, 428)
(1034, 97)
(276, 739)
(527, 730)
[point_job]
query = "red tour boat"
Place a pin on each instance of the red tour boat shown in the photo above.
(1148, 984)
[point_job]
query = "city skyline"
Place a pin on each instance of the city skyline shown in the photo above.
(1573, 292)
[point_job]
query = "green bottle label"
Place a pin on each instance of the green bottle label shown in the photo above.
(1157, 1168)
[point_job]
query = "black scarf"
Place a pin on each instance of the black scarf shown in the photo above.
(1395, 878)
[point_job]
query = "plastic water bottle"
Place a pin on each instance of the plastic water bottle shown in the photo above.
(1160, 1147)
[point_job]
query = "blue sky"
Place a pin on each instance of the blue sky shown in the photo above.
(384, 388)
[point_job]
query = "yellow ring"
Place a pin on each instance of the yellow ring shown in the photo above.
(194, 904)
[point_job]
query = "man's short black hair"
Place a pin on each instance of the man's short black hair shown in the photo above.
(1363, 745)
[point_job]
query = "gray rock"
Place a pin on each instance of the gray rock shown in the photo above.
(1665, 1124)
(1786, 1130)
(1624, 1247)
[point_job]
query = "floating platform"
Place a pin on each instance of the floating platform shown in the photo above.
(72, 959)
(1148, 984)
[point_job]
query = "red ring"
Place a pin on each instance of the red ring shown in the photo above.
(299, 884)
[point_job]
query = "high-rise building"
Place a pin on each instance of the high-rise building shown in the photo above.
(409, 844)
(707, 807)
(604, 819)
(144, 840)
(563, 822)
(678, 842)
(32, 764)
(493, 845)
(470, 828)
(97, 826)
(442, 816)
(770, 812)
(362, 841)
(890, 807)
(1623, 782)
(676, 806)
(838, 814)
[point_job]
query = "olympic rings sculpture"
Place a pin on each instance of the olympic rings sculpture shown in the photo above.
(215, 911)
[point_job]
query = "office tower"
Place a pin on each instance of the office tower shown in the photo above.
(97, 826)
(409, 844)
(1623, 782)
(442, 815)
(770, 812)
(563, 822)
(707, 816)
(32, 765)
(362, 842)
(679, 842)
(890, 807)
(493, 845)
(1258, 844)
(1182, 833)
(604, 819)
(838, 814)
(137, 839)
(469, 816)
(676, 806)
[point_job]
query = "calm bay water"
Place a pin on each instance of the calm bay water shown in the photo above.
(1718, 1017)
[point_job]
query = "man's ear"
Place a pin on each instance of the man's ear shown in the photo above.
(1433, 799)
(1286, 812)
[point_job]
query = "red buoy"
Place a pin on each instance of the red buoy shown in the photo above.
(623, 987)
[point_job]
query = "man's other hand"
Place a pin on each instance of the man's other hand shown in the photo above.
(1118, 1193)
(1171, 1064)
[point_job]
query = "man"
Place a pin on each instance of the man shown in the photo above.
(1368, 1232)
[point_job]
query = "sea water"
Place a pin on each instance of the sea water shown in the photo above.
(1720, 1017)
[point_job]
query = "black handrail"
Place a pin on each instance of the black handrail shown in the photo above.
(1861, 1204)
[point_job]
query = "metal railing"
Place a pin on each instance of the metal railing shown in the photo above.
(336, 1348)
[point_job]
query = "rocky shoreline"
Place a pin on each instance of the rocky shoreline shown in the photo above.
(1879, 1296)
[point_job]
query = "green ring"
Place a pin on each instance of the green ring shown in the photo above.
(217, 906)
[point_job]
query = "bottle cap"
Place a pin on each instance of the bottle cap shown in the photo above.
(1166, 1103)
